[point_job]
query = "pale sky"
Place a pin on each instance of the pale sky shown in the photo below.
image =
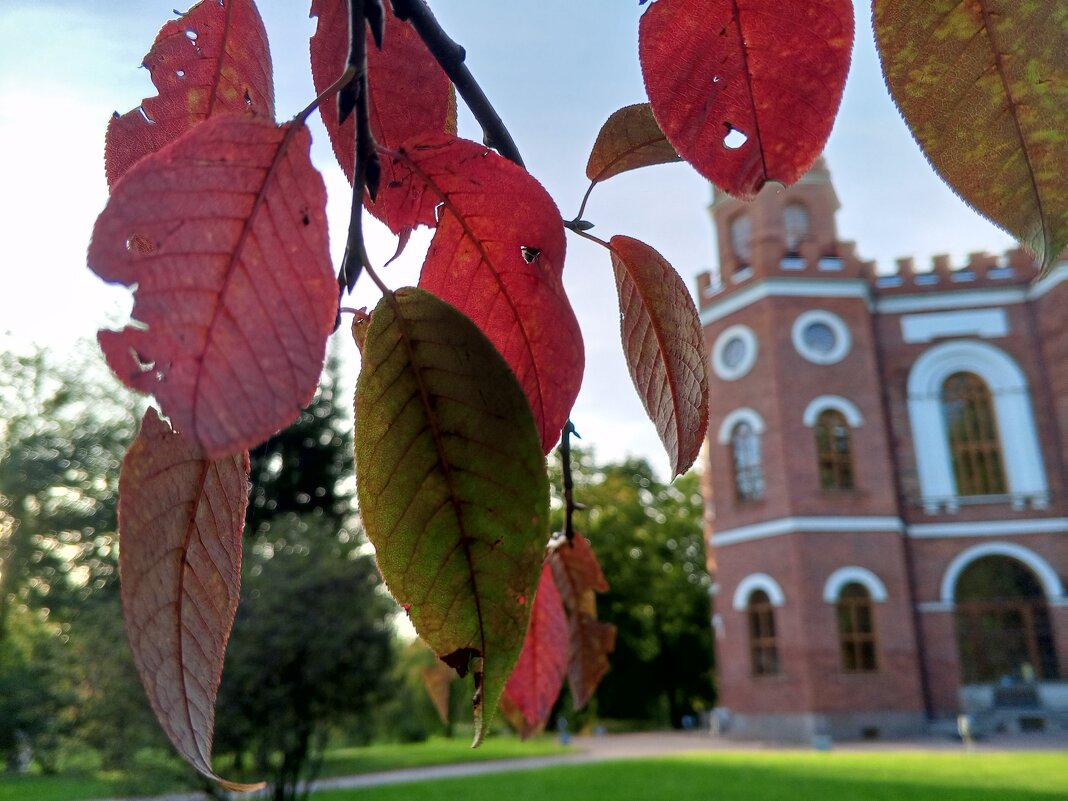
(555, 69)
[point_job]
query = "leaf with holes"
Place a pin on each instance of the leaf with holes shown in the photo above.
(498, 255)
(984, 87)
(746, 90)
(180, 522)
(409, 95)
(578, 577)
(212, 60)
(535, 683)
(664, 347)
(452, 486)
(224, 235)
(629, 139)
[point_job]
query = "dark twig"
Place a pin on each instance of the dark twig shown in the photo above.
(570, 507)
(451, 58)
(366, 170)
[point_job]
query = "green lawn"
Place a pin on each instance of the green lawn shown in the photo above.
(810, 776)
(338, 762)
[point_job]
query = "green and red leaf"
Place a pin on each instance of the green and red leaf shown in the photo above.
(452, 486)
(535, 683)
(629, 139)
(983, 85)
(664, 347)
(746, 90)
(578, 577)
(180, 521)
(223, 233)
(498, 256)
(212, 60)
(408, 95)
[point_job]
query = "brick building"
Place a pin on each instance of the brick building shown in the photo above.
(886, 498)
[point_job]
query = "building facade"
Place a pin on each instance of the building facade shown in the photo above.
(885, 482)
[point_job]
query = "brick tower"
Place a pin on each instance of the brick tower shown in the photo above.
(842, 518)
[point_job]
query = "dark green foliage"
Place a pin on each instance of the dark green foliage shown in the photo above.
(310, 652)
(302, 469)
(648, 538)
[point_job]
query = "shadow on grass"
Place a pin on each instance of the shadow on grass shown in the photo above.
(760, 777)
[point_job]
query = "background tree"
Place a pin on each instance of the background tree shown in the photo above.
(310, 651)
(648, 539)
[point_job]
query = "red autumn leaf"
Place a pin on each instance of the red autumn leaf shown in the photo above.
(224, 235)
(664, 347)
(539, 674)
(180, 522)
(746, 90)
(212, 60)
(590, 641)
(498, 255)
(630, 138)
(408, 95)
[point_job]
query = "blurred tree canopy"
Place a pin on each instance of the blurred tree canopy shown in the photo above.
(648, 538)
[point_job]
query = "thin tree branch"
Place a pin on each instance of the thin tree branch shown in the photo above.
(570, 507)
(451, 58)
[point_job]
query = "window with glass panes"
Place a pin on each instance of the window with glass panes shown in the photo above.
(973, 435)
(748, 470)
(763, 651)
(833, 453)
(856, 629)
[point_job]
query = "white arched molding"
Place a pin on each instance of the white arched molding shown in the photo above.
(853, 575)
(1024, 471)
(752, 583)
(1047, 576)
(743, 415)
(848, 409)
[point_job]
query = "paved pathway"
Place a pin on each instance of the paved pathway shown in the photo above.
(627, 746)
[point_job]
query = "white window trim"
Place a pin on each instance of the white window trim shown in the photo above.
(752, 583)
(843, 338)
(1047, 576)
(744, 333)
(818, 405)
(853, 574)
(1024, 470)
(733, 418)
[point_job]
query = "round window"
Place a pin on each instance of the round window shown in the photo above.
(734, 352)
(821, 337)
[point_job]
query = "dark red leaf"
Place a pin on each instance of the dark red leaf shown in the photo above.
(578, 577)
(746, 90)
(539, 674)
(497, 256)
(409, 95)
(224, 235)
(180, 522)
(664, 347)
(212, 60)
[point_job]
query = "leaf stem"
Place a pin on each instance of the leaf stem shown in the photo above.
(589, 236)
(342, 81)
(585, 200)
(451, 58)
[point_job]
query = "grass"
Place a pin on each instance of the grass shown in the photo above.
(84, 785)
(809, 776)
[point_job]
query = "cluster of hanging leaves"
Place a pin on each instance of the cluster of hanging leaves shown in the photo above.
(217, 220)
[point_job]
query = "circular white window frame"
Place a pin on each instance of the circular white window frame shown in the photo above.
(843, 339)
(749, 340)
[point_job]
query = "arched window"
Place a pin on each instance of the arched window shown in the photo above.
(763, 651)
(748, 470)
(833, 453)
(856, 629)
(1003, 622)
(740, 239)
(795, 225)
(972, 430)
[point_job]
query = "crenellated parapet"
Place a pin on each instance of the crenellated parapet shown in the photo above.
(982, 271)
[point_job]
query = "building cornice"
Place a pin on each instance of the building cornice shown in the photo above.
(785, 288)
(788, 525)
